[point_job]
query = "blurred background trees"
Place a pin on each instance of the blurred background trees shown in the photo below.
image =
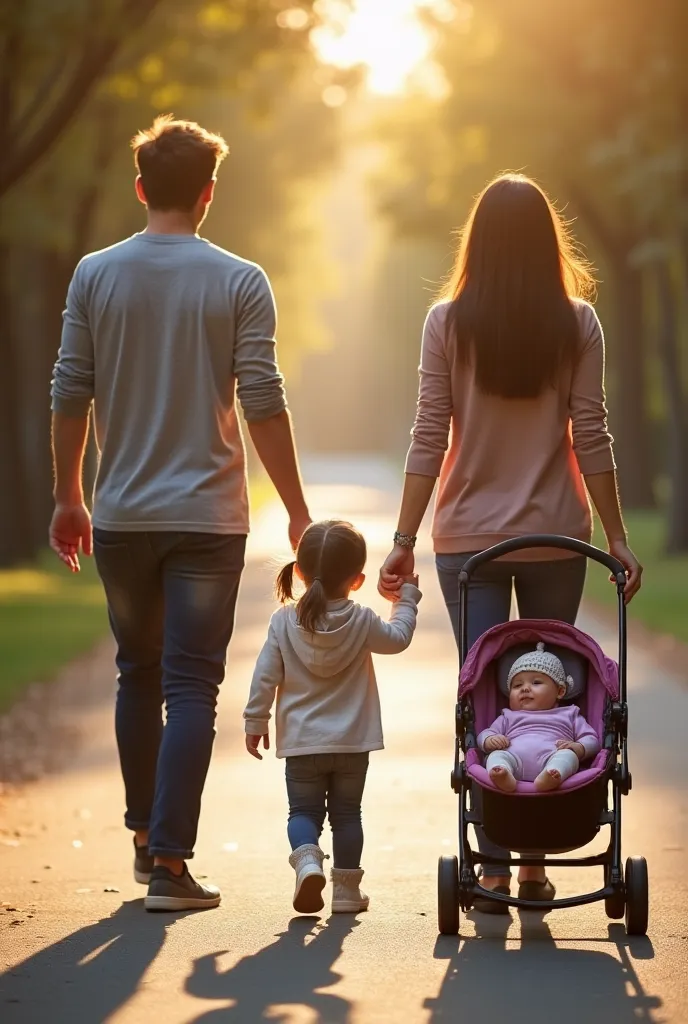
(350, 196)
(590, 99)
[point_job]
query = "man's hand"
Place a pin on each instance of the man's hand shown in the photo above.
(577, 748)
(495, 743)
(400, 562)
(253, 742)
(70, 529)
(297, 527)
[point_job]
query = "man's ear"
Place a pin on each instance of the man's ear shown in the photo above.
(208, 192)
(358, 582)
(138, 186)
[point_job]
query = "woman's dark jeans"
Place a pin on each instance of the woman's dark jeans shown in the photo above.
(171, 601)
(332, 784)
(544, 590)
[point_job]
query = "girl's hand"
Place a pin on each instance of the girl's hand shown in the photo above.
(634, 570)
(496, 743)
(400, 562)
(253, 742)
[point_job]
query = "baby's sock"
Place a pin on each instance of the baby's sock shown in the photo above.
(559, 766)
(500, 767)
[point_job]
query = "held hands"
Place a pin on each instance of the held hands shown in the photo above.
(253, 742)
(577, 748)
(70, 529)
(398, 568)
(495, 743)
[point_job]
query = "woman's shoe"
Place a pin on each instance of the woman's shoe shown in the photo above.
(486, 906)
(307, 862)
(538, 892)
(347, 897)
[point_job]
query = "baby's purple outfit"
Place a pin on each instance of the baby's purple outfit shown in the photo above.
(533, 736)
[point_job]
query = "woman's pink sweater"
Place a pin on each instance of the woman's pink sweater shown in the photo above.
(509, 466)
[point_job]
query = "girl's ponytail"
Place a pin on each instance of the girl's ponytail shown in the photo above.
(284, 585)
(329, 554)
(312, 606)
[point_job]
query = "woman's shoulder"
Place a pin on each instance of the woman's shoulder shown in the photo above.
(591, 328)
(438, 312)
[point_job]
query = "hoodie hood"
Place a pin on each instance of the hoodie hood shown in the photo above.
(332, 648)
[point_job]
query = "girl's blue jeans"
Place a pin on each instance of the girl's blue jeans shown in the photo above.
(544, 590)
(320, 785)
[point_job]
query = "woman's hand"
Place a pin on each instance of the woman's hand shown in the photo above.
(495, 743)
(634, 570)
(400, 562)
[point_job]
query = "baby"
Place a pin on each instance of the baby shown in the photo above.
(535, 740)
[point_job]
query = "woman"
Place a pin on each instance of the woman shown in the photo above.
(511, 417)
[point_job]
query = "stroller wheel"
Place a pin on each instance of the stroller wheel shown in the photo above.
(637, 896)
(448, 895)
(615, 906)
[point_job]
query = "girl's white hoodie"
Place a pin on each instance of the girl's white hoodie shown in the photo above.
(324, 682)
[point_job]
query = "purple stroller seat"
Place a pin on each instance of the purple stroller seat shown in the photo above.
(479, 677)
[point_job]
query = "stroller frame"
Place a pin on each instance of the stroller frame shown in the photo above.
(624, 892)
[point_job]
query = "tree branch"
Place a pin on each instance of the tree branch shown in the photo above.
(92, 66)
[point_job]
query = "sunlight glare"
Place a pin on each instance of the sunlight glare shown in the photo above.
(384, 35)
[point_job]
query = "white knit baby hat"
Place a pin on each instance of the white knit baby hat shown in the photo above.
(543, 661)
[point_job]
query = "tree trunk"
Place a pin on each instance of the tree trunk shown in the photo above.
(630, 420)
(16, 541)
(631, 424)
(677, 413)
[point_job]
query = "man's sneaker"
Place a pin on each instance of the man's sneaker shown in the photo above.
(179, 892)
(143, 864)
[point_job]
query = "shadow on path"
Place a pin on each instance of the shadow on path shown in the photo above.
(288, 972)
(87, 975)
(539, 979)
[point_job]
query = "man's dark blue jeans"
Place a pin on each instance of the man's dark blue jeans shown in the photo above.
(171, 601)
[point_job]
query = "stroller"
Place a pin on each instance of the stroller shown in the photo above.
(526, 821)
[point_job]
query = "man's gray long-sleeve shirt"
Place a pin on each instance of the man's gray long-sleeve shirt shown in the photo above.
(159, 332)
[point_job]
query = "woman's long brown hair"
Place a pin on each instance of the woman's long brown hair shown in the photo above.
(516, 272)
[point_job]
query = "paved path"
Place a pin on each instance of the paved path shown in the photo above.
(73, 951)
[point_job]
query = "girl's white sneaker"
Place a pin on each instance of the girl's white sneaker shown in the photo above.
(307, 862)
(347, 897)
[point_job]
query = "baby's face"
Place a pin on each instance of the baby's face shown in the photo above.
(533, 691)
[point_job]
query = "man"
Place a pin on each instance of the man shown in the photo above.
(157, 331)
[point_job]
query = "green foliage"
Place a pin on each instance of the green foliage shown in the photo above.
(47, 618)
(662, 603)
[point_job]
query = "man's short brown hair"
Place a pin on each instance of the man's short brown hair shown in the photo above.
(176, 160)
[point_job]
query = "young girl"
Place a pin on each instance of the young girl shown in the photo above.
(317, 663)
(536, 740)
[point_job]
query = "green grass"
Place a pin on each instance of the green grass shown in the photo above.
(662, 603)
(48, 616)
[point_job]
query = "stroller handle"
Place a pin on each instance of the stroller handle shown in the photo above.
(544, 540)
